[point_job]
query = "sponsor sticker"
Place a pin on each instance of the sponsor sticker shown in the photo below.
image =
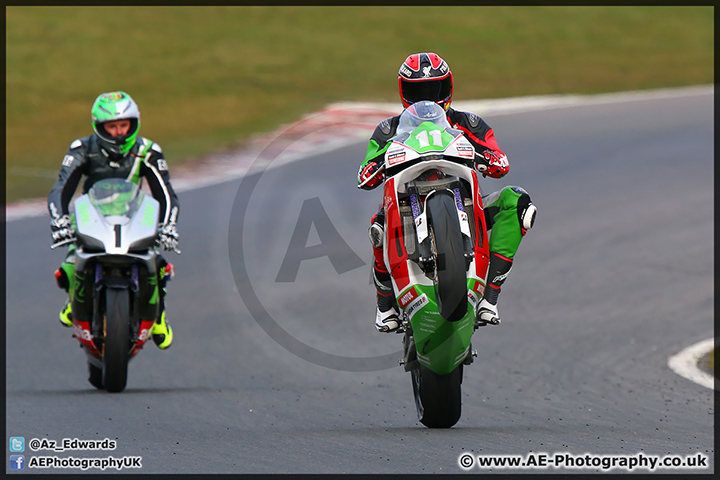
(473, 298)
(82, 333)
(465, 151)
(416, 305)
(388, 202)
(408, 297)
(143, 335)
(396, 157)
(67, 160)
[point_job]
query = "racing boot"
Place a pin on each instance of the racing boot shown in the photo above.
(63, 282)
(387, 318)
(66, 314)
(486, 311)
(162, 333)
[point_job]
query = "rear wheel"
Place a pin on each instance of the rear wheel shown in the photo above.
(437, 397)
(117, 340)
(450, 278)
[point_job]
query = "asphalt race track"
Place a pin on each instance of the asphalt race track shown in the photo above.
(276, 365)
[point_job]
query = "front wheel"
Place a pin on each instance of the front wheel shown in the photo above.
(95, 376)
(450, 278)
(117, 339)
(437, 397)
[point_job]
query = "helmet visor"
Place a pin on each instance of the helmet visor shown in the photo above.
(432, 90)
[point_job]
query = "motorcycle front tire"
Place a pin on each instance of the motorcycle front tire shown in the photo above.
(95, 376)
(117, 339)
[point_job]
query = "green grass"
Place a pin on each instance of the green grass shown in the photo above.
(206, 78)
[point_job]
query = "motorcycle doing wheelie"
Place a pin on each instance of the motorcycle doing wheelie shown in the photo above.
(436, 249)
(115, 301)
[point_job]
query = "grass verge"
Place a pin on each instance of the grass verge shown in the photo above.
(206, 78)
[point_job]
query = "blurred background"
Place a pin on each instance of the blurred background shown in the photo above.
(207, 78)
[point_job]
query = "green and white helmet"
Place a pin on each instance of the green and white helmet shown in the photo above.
(116, 106)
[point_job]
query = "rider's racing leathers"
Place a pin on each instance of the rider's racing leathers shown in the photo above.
(508, 212)
(85, 157)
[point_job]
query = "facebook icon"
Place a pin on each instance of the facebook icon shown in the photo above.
(17, 462)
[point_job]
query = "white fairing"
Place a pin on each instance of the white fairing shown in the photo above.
(117, 233)
(415, 149)
(421, 223)
(398, 153)
(448, 168)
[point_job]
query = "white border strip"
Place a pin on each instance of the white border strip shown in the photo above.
(684, 363)
(499, 106)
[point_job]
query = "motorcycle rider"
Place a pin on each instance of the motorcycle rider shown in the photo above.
(114, 151)
(509, 212)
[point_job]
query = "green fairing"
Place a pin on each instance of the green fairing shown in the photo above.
(428, 137)
(373, 151)
(440, 344)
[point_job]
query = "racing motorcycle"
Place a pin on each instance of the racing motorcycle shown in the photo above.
(116, 277)
(436, 249)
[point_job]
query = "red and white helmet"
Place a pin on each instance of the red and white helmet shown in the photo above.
(425, 76)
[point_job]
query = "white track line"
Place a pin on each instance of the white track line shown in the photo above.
(684, 363)
(344, 123)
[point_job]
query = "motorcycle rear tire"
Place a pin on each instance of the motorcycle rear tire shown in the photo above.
(437, 397)
(450, 279)
(117, 339)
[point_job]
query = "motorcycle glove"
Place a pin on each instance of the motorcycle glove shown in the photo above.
(370, 176)
(168, 237)
(62, 231)
(491, 164)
